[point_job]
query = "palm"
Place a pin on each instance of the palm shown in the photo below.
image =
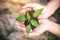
(44, 24)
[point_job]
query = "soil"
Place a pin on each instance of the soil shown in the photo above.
(19, 34)
(26, 22)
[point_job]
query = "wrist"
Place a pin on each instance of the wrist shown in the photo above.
(55, 29)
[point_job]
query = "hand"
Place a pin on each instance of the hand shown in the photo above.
(35, 6)
(45, 14)
(20, 26)
(48, 10)
(44, 25)
(25, 9)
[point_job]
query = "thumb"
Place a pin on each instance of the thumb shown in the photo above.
(35, 6)
(37, 31)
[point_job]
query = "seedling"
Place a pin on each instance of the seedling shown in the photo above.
(30, 19)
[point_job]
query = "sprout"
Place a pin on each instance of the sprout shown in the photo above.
(30, 20)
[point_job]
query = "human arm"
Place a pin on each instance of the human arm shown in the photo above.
(50, 8)
(46, 25)
(55, 29)
(45, 14)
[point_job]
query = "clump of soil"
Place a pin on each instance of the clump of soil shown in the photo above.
(26, 22)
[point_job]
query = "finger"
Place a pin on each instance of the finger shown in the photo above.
(37, 31)
(41, 20)
(35, 6)
(26, 10)
(23, 11)
(20, 26)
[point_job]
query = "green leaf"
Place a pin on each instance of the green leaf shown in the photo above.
(21, 18)
(28, 28)
(34, 22)
(28, 16)
(37, 13)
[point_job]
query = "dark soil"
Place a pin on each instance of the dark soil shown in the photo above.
(26, 22)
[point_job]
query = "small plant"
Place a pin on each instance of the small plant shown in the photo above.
(30, 19)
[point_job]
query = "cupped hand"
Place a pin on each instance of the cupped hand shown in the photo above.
(35, 6)
(28, 7)
(44, 25)
(48, 10)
